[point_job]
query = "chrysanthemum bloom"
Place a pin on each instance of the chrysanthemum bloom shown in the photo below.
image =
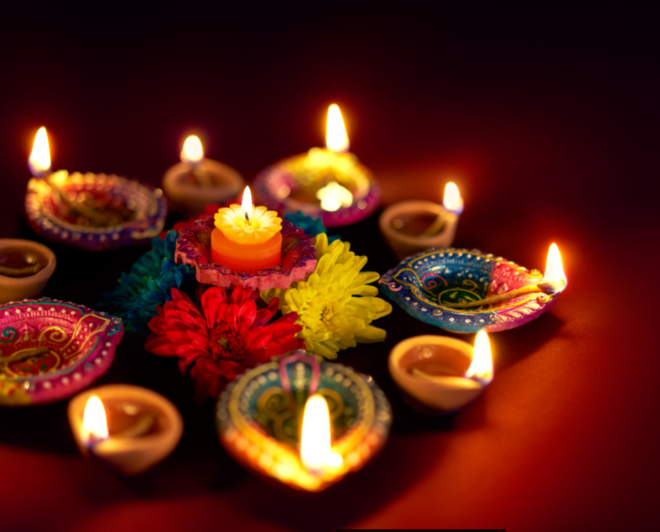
(148, 284)
(227, 337)
(335, 305)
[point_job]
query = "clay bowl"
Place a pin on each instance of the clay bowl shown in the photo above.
(27, 285)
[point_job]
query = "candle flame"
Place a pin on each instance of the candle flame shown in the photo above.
(554, 272)
(192, 151)
(481, 368)
(39, 161)
(333, 196)
(452, 200)
(336, 138)
(246, 203)
(315, 440)
(94, 423)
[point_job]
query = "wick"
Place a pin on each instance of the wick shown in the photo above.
(436, 227)
(546, 287)
(247, 219)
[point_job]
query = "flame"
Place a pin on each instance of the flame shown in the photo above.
(554, 272)
(192, 151)
(39, 161)
(452, 200)
(246, 203)
(94, 423)
(333, 196)
(482, 360)
(315, 451)
(336, 138)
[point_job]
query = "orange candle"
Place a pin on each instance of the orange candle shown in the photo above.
(247, 238)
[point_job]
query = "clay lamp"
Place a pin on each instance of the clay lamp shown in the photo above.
(25, 268)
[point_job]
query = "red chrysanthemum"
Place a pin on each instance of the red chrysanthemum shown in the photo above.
(229, 336)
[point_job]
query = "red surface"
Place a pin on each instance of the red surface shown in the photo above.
(539, 118)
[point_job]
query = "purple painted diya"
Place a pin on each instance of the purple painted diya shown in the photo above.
(495, 294)
(51, 349)
(112, 211)
(293, 184)
(193, 247)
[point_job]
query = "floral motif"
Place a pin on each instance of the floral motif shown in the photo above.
(228, 335)
(335, 304)
(148, 284)
(310, 224)
(248, 228)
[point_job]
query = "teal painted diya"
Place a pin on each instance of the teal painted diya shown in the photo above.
(259, 419)
(465, 291)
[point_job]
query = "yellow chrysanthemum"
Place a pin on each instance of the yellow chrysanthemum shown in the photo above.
(261, 225)
(335, 305)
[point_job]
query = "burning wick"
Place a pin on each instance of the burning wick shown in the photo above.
(452, 202)
(554, 281)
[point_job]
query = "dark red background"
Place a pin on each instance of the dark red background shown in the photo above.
(547, 119)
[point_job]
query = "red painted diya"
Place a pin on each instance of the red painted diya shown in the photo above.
(51, 349)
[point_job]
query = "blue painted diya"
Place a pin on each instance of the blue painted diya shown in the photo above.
(134, 212)
(430, 284)
(259, 416)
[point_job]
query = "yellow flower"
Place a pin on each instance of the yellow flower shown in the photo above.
(258, 227)
(335, 305)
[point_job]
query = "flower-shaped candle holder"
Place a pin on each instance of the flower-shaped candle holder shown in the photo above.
(51, 349)
(430, 284)
(132, 212)
(259, 414)
(193, 247)
(284, 187)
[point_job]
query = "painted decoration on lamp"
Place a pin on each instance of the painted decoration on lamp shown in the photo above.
(465, 290)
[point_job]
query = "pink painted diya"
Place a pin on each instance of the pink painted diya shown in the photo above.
(193, 247)
(133, 212)
(259, 419)
(51, 349)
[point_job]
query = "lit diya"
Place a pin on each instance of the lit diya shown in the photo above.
(90, 211)
(197, 181)
(247, 246)
(412, 226)
(465, 290)
(441, 374)
(25, 268)
(127, 428)
(51, 349)
(329, 183)
(302, 422)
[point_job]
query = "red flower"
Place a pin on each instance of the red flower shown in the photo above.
(229, 336)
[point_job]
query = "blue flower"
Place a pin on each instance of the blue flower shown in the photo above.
(311, 225)
(147, 284)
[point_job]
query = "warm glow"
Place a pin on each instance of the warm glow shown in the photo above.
(452, 200)
(333, 196)
(95, 426)
(336, 138)
(315, 441)
(192, 151)
(482, 360)
(39, 161)
(246, 203)
(554, 271)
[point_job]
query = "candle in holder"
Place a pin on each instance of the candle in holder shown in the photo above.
(413, 226)
(245, 237)
(127, 428)
(198, 181)
(439, 373)
(329, 183)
